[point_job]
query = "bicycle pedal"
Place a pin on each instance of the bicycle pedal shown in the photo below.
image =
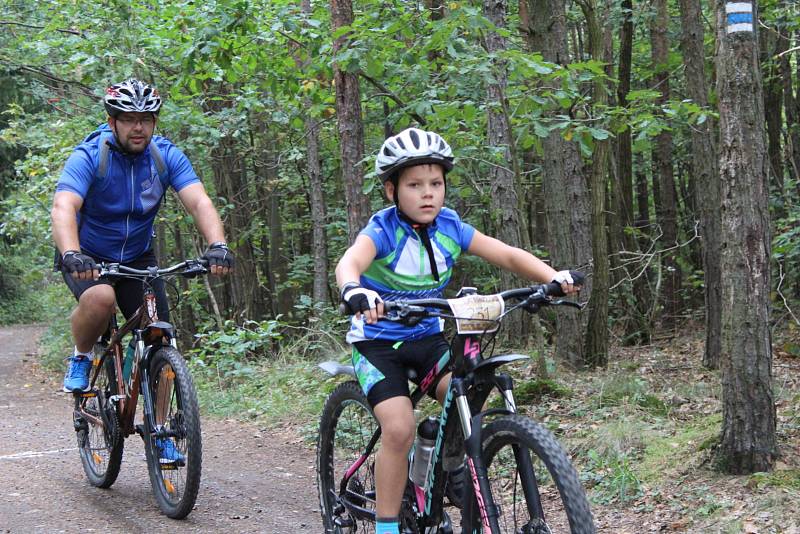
(344, 522)
(86, 394)
(171, 466)
(80, 424)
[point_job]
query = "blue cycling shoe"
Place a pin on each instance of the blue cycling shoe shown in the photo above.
(168, 453)
(77, 377)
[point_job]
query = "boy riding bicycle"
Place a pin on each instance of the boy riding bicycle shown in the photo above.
(408, 251)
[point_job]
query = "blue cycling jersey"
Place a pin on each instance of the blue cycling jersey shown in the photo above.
(401, 269)
(116, 220)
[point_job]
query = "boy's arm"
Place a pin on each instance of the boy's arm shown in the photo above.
(353, 263)
(514, 259)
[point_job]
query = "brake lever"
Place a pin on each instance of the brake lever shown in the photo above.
(570, 303)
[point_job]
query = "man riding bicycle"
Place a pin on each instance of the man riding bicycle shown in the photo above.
(104, 207)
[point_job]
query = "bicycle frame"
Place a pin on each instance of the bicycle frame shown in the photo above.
(148, 332)
(472, 380)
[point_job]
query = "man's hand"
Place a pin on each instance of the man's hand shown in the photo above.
(361, 300)
(80, 266)
(220, 258)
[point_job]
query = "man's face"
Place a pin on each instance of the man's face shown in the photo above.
(134, 130)
(420, 192)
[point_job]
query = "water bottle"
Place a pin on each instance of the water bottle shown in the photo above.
(127, 364)
(423, 450)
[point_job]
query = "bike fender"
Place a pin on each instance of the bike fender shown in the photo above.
(497, 361)
(335, 368)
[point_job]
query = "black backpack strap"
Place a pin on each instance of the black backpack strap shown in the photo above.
(158, 160)
(102, 165)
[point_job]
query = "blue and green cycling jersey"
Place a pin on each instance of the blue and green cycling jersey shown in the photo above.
(401, 269)
(116, 220)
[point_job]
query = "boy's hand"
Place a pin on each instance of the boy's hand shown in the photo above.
(361, 300)
(568, 284)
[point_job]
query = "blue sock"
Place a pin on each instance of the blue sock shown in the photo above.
(387, 525)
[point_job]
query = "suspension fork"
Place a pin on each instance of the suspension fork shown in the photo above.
(527, 475)
(471, 427)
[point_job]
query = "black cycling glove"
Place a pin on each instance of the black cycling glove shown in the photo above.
(73, 261)
(358, 299)
(219, 254)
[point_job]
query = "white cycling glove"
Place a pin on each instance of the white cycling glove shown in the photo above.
(563, 277)
(359, 299)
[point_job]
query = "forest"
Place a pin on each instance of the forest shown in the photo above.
(654, 145)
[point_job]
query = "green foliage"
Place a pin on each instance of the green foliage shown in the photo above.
(230, 350)
(612, 478)
(630, 389)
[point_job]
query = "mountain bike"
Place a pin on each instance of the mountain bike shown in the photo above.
(105, 415)
(520, 480)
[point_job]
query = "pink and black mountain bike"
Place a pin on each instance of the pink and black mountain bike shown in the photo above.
(518, 478)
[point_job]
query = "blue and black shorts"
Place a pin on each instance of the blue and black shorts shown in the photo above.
(381, 365)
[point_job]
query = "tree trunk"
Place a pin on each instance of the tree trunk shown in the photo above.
(503, 171)
(792, 114)
(704, 169)
(662, 171)
(597, 333)
(564, 192)
(319, 241)
(319, 244)
(748, 442)
(351, 128)
(772, 46)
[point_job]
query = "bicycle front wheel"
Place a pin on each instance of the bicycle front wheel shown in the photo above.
(550, 502)
(100, 445)
(173, 448)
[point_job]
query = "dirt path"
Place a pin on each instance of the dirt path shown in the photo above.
(253, 481)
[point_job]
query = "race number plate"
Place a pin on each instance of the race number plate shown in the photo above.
(477, 314)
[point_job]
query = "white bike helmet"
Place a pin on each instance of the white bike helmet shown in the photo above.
(131, 96)
(412, 146)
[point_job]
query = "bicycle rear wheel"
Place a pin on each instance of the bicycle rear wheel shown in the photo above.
(100, 446)
(509, 440)
(174, 477)
(345, 428)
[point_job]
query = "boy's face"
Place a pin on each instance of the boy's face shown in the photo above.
(420, 192)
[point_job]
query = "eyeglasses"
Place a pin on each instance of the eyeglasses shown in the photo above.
(129, 120)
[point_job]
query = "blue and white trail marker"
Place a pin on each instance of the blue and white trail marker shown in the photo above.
(740, 16)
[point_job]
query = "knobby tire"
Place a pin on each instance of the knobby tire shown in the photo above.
(566, 508)
(175, 486)
(101, 448)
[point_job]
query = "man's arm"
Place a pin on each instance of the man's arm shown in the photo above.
(63, 218)
(206, 218)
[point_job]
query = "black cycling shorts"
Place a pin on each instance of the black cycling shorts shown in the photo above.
(381, 366)
(129, 292)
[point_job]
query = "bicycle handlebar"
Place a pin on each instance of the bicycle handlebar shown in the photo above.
(537, 295)
(189, 269)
